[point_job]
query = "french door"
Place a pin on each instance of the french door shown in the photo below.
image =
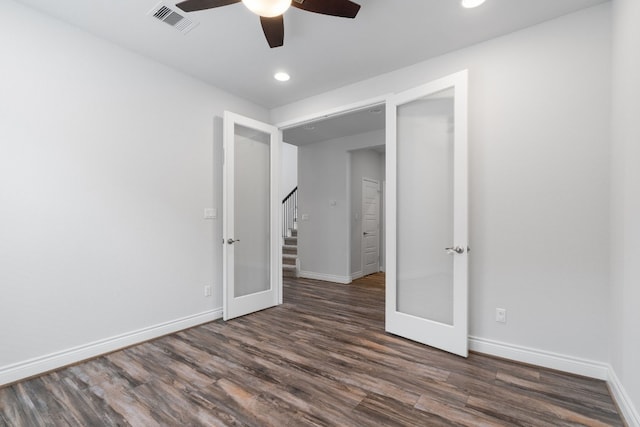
(251, 236)
(426, 211)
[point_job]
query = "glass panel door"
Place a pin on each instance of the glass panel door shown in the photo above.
(427, 210)
(251, 250)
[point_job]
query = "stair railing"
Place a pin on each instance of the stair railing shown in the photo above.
(289, 212)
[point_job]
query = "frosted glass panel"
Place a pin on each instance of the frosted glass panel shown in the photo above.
(251, 213)
(425, 207)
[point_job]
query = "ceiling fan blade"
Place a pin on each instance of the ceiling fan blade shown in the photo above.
(194, 5)
(342, 8)
(273, 30)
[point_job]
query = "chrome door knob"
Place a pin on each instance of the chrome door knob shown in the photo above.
(231, 241)
(454, 250)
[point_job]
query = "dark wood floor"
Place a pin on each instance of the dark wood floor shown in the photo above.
(320, 359)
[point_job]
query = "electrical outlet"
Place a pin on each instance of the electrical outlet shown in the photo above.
(207, 291)
(501, 315)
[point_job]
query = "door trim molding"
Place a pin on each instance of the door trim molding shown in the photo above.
(335, 111)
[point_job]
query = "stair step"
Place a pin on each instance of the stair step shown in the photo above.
(289, 271)
(292, 241)
(289, 249)
(289, 259)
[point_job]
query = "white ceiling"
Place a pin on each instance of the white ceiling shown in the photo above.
(228, 49)
(340, 126)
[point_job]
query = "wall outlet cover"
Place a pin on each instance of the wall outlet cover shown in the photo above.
(501, 315)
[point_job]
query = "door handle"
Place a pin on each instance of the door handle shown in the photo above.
(454, 250)
(231, 241)
(365, 233)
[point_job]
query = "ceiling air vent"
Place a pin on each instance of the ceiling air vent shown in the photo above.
(173, 18)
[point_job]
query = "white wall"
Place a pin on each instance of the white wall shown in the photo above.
(365, 163)
(539, 178)
(383, 229)
(625, 207)
(289, 175)
(107, 161)
(323, 177)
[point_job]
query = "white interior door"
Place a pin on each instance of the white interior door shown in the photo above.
(370, 226)
(426, 211)
(251, 255)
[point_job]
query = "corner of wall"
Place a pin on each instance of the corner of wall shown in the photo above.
(622, 399)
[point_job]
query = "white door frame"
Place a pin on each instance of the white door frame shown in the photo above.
(338, 111)
(239, 306)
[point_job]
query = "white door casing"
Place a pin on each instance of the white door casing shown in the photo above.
(370, 226)
(427, 213)
(251, 216)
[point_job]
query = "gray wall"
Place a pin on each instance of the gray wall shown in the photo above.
(625, 206)
(103, 183)
(324, 239)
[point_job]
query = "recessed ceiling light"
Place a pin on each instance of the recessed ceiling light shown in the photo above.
(281, 76)
(375, 110)
(308, 127)
(472, 3)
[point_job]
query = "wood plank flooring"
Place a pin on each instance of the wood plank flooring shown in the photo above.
(320, 359)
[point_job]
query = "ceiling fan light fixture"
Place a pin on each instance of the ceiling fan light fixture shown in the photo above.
(469, 4)
(267, 8)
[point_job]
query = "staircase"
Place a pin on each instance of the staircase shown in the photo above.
(290, 234)
(290, 254)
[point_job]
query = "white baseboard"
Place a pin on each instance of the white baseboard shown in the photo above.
(561, 362)
(589, 368)
(357, 275)
(629, 411)
(39, 365)
(345, 280)
(547, 359)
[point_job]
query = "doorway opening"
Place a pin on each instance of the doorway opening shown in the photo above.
(334, 153)
(367, 177)
(425, 140)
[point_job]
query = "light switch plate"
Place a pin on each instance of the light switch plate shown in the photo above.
(210, 213)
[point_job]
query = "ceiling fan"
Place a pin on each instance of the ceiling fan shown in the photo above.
(271, 11)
